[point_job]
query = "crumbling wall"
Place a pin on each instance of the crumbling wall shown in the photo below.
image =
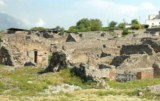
(126, 76)
(156, 67)
(154, 43)
(5, 57)
(118, 60)
(87, 73)
(137, 61)
(57, 62)
(136, 49)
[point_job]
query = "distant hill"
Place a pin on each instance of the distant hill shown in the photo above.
(7, 21)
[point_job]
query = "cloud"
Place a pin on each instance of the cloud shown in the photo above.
(40, 23)
(113, 7)
(113, 10)
(2, 3)
(148, 6)
(119, 8)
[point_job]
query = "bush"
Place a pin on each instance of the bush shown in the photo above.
(136, 26)
(105, 28)
(73, 29)
(112, 25)
(121, 26)
(125, 32)
(38, 29)
(146, 26)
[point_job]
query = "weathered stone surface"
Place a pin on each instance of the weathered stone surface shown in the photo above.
(136, 49)
(60, 88)
(154, 89)
(5, 57)
(103, 34)
(80, 70)
(29, 64)
(156, 67)
(118, 60)
(47, 35)
(103, 54)
(105, 66)
(154, 43)
(87, 73)
(126, 76)
(58, 61)
(72, 38)
(137, 61)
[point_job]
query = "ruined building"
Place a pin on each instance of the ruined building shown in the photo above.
(89, 55)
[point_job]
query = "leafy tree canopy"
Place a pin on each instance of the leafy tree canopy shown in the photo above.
(134, 21)
(86, 24)
(121, 26)
(112, 24)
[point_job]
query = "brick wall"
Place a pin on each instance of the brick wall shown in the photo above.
(145, 74)
(112, 74)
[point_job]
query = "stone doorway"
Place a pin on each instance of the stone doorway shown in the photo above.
(35, 56)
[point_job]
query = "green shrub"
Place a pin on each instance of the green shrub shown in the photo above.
(136, 26)
(125, 32)
(146, 26)
(38, 29)
(73, 29)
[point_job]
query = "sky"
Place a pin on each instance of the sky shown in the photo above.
(65, 13)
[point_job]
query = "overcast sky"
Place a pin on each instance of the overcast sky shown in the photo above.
(65, 13)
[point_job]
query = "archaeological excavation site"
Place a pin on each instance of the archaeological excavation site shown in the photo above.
(60, 64)
(89, 55)
(79, 50)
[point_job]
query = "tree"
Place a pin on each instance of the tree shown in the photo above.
(135, 24)
(112, 25)
(96, 24)
(121, 26)
(134, 21)
(83, 25)
(73, 29)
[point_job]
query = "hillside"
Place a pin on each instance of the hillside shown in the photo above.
(7, 21)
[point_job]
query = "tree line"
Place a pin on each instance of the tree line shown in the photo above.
(86, 24)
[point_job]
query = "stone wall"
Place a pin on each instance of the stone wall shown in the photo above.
(5, 57)
(137, 49)
(156, 67)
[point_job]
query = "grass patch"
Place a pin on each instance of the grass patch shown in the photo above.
(134, 84)
(27, 81)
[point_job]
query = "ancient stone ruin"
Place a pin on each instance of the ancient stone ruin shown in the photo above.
(57, 62)
(89, 55)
